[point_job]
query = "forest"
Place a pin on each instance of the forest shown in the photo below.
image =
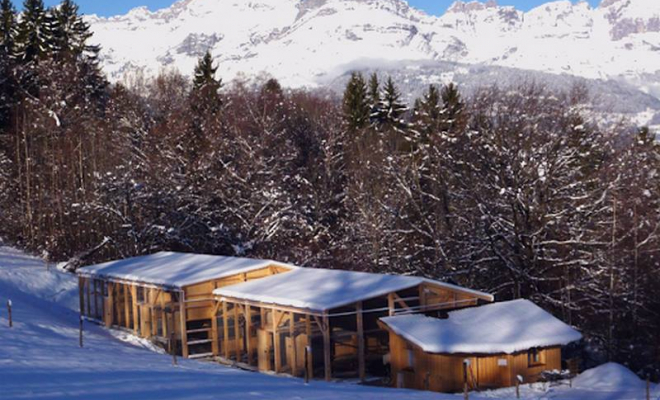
(514, 190)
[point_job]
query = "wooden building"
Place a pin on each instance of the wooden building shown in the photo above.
(323, 323)
(166, 296)
(484, 347)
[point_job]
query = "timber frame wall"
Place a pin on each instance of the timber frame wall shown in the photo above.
(161, 313)
(412, 368)
(344, 342)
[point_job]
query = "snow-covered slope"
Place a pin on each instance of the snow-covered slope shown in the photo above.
(299, 41)
(40, 358)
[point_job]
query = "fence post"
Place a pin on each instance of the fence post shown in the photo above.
(11, 323)
(517, 388)
(81, 331)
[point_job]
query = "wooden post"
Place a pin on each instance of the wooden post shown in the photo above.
(81, 296)
(127, 308)
(465, 379)
(184, 325)
(517, 388)
(80, 339)
(173, 339)
(361, 349)
(89, 302)
(237, 334)
(225, 330)
(248, 333)
(136, 318)
(109, 309)
(327, 356)
(307, 351)
(390, 304)
(309, 362)
(214, 330)
(276, 343)
(292, 334)
(11, 322)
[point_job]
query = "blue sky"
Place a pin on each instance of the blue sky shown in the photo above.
(114, 7)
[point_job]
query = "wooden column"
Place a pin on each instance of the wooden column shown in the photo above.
(390, 304)
(360, 349)
(153, 296)
(215, 349)
(327, 356)
(109, 306)
(248, 328)
(225, 330)
(96, 299)
(136, 318)
(308, 331)
(89, 302)
(276, 343)
(422, 296)
(237, 334)
(127, 309)
(163, 316)
(292, 334)
(184, 325)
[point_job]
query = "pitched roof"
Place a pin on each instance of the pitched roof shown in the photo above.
(175, 270)
(505, 327)
(324, 289)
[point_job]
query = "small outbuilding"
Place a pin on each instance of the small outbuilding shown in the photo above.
(489, 346)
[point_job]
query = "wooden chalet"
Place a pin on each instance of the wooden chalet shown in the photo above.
(323, 323)
(166, 296)
(484, 347)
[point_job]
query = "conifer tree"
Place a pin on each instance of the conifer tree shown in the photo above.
(390, 109)
(7, 48)
(206, 88)
(452, 108)
(355, 105)
(7, 28)
(34, 36)
(69, 33)
(428, 112)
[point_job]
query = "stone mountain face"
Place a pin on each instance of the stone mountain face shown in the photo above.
(313, 42)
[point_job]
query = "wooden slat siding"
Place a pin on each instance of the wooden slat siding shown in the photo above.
(360, 338)
(225, 330)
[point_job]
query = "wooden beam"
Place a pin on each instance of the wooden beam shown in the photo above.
(127, 309)
(361, 349)
(422, 295)
(89, 302)
(276, 342)
(292, 334)
(248, 333)
(109, 308)
(225, 330)
(327, 356)
(214, 330)
(81, 284)
(184, 325)
(399, 300)
(163, 316)
(237, 334)
(390, 304)
(136, 318)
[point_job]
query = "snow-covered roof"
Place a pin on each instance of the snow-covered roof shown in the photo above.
(176, 269)
(324, 289)
(506, 327)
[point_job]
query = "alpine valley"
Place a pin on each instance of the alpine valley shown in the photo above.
(614, 49)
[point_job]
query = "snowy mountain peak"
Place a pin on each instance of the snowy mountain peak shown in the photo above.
(466, 7)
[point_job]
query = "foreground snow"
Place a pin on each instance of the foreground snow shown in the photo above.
(40, 358)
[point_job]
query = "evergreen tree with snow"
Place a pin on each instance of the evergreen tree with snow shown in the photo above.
(7, 48)
(70, 33)
(34, 39)
(206, 88)
(452, 112)
(356, 103)
(7, 28)
(390, 108)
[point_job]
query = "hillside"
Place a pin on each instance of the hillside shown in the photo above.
(41, 358)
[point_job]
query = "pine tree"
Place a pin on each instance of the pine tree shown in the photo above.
(69, 33)
(34, 36)
(7, 47)
(452, 109)
(7, 28)
(206, 88)
(390, 109)
(428, 112)
(355, 104)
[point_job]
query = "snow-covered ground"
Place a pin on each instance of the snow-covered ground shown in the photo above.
(40, 358)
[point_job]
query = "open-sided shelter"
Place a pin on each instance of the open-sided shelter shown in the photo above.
(166, 296)
(499, 341)
(323, 322)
